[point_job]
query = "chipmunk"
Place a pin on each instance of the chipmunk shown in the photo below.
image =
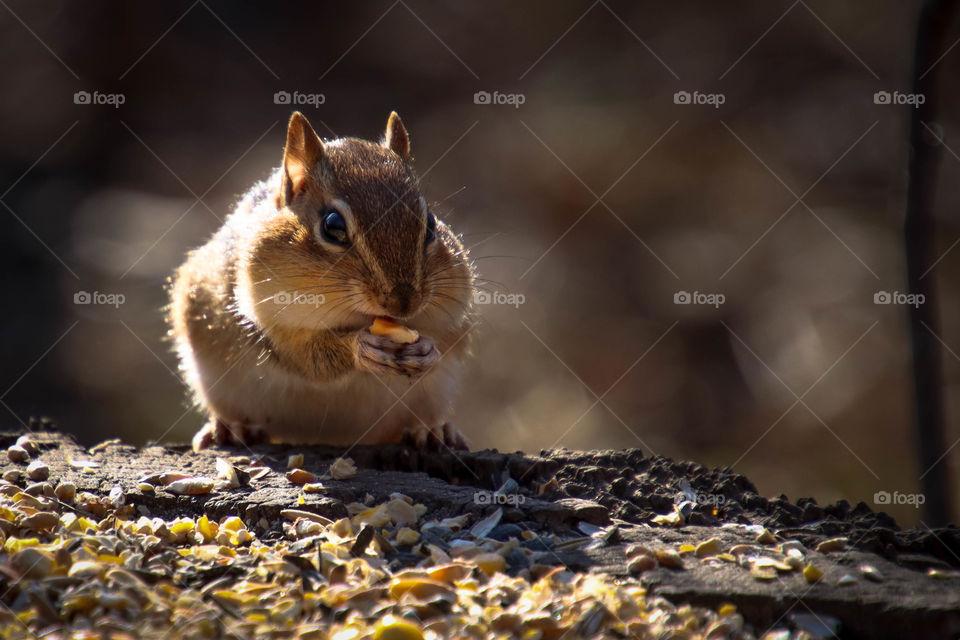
(271, 317)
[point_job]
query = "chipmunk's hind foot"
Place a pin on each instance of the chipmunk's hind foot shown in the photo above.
(447, 437)
(217, 432)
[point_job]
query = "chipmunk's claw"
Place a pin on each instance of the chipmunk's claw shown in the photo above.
(380, 354)
(217, 432)
(424, 438)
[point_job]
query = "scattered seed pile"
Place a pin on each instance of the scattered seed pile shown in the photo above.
(115, 541)
(640, 489)
(82, 565)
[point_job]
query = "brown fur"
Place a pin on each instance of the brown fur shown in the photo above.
(258, 357)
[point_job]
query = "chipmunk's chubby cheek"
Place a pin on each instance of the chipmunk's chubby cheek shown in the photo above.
(299, 306)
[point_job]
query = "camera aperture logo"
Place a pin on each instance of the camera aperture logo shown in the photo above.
(912, 499)
(499, 297)
(513, 99)
(287, 298)
(485, 498)
(711, 99)
(697, 297)
(899, 98)
(297, 98)
(99, 298)
(97, 98)
(897, 297)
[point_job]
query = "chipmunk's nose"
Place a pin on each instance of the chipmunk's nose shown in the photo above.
(402, 299)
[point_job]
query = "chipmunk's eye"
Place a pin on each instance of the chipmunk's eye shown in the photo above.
(431, 228)
(333, 227)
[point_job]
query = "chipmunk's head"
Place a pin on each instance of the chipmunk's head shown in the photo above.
(356, 229)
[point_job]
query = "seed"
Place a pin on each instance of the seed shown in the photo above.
(182, 527)
(739, 549)
(632, 550)
(295, 461)
(772, 563)
(27, 443)
(65, 491)
(36, 489)
(708, 547)
(293, 514)
(314, 487)
(670, 558)
(194, 486)
(116, 498)
(763, 573)
(172, 476)
(307, 528)
(12, 475)
(258, 473)
(85, 569)
(833, 544)
(790, 545)
(301, 476)
(16, 453)
(207, 528)
(765, 537)
(41, 521)
(37, 470)
(506, 622)
(394, 331)
(641, 563)
(393, 628)
(226, 474)
(32, 563)
(401, 512)
(407, 536)
(343, 468)
(812, 574)
(673, 519)
(490, 563)
(871, 573)
(151, 478)
(846, 580)
(421, 588)
(449, 573)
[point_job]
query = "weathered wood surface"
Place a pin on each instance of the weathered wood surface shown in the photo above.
(907, 603)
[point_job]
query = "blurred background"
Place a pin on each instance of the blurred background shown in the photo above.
(606, 162)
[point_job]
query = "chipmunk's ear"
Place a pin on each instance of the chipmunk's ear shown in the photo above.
(300, 157)
(396, 138)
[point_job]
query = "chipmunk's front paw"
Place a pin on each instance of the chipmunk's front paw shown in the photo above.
(217, 432)
(380, 354)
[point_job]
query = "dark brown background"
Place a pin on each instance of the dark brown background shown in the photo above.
(693, 199)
